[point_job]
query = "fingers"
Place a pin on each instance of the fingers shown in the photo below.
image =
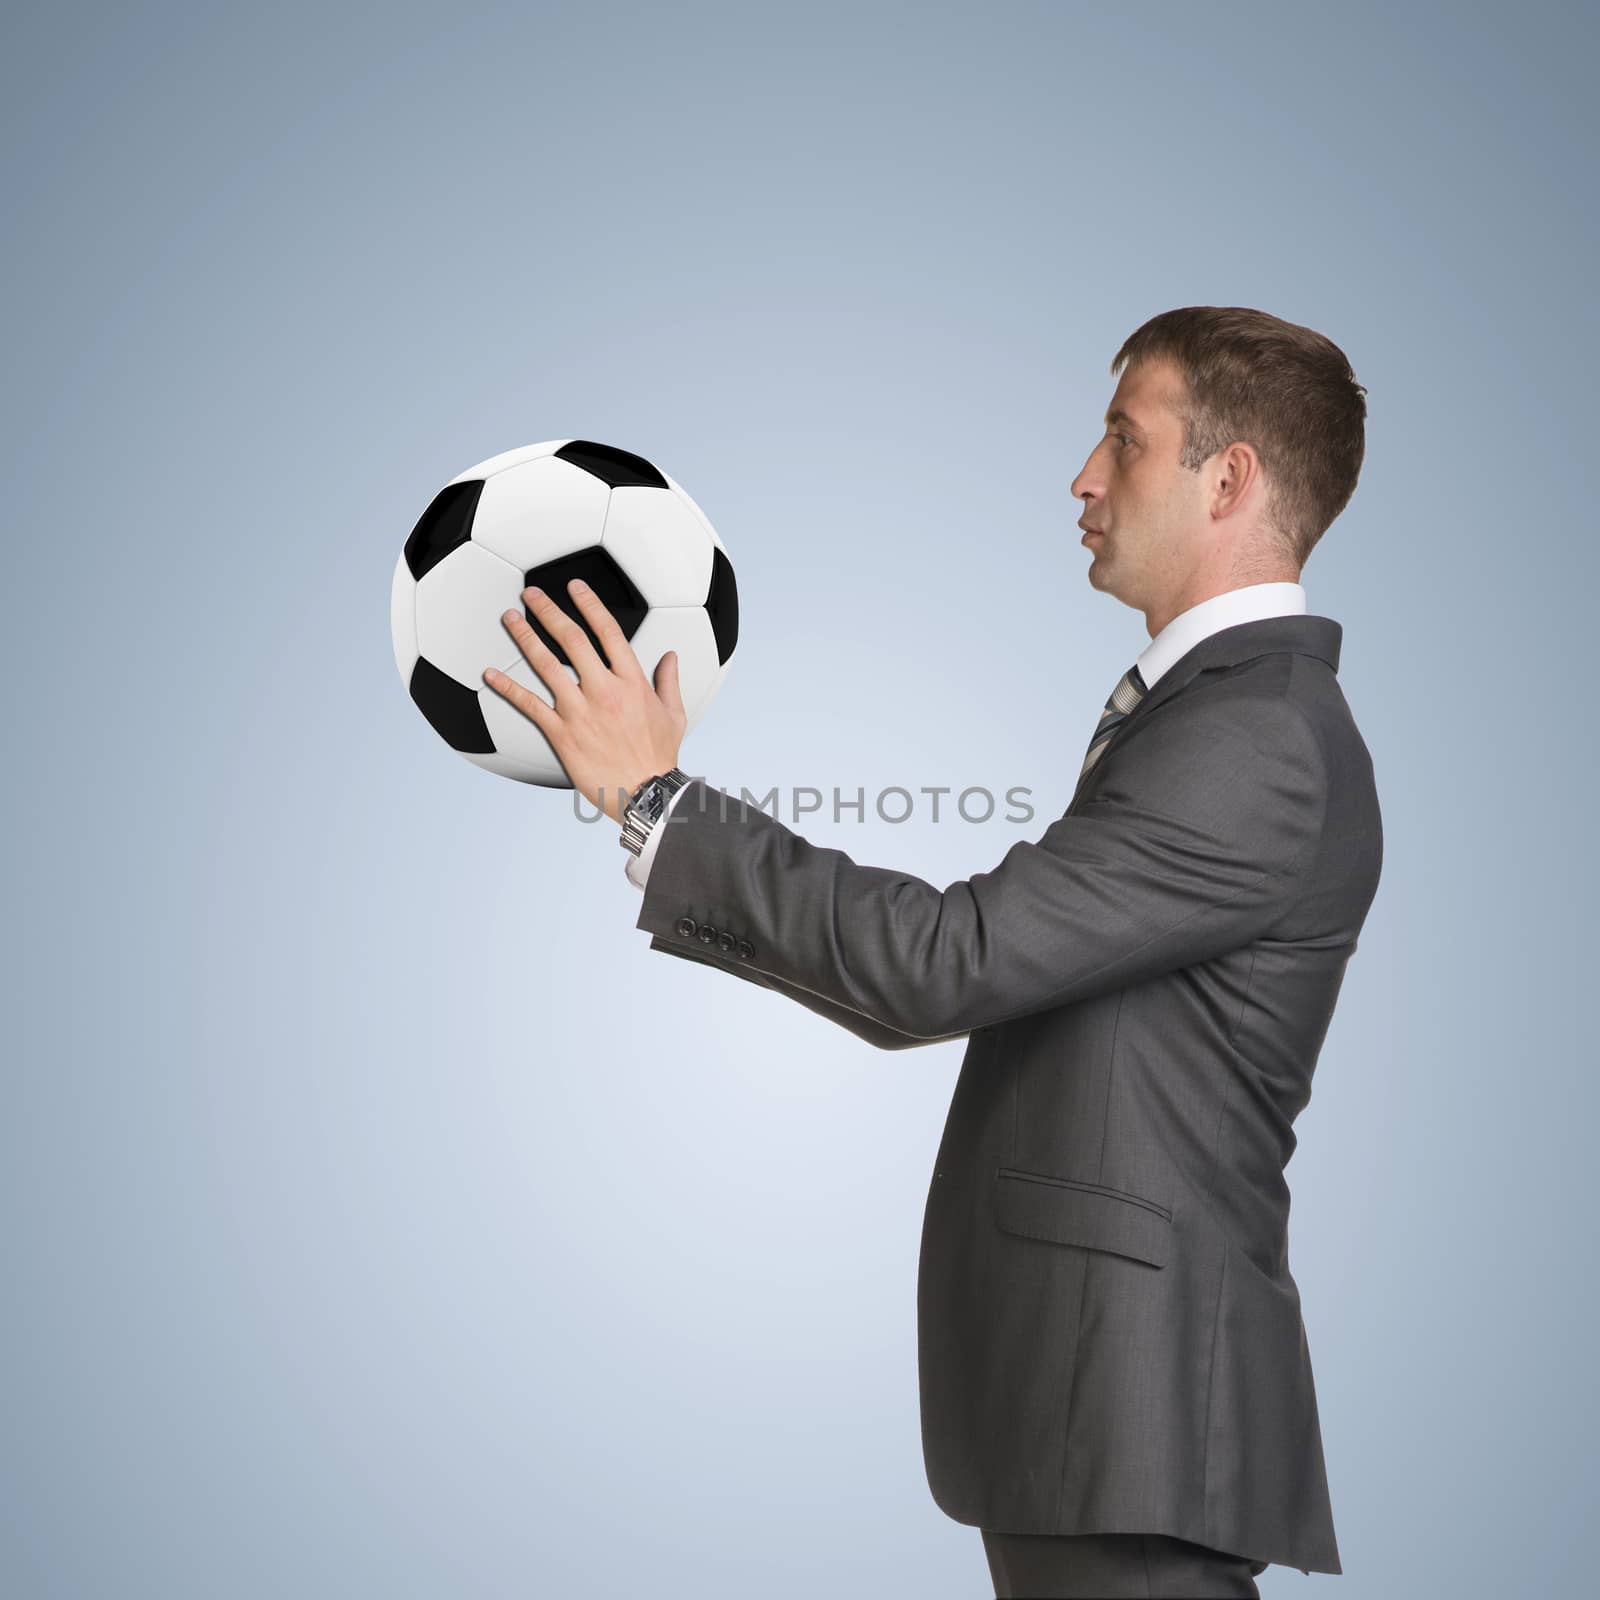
(607, 629)
(544, 717)
(583, 656)
(540, 657)
(610, 707)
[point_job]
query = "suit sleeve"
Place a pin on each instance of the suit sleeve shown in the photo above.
(863, 1027)
(1193, 840)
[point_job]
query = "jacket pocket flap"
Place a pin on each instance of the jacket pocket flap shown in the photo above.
(1065, 1211)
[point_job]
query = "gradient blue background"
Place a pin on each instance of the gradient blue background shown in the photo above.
(381, 1218)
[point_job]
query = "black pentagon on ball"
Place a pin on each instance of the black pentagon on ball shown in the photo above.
(610, 583)
(452, 708)
(619, 468)
(445, 524)
(722, 604)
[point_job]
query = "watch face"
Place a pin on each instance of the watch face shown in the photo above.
(649, 806)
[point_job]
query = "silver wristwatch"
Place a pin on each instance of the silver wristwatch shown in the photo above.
(647, 807)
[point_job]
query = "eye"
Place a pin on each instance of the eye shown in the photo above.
(1124, 437)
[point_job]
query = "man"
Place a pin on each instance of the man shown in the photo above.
(1115, 1379)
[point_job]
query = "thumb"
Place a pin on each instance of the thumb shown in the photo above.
(667, 683)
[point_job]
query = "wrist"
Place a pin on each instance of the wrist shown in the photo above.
(647, 805)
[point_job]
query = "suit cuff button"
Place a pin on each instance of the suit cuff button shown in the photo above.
(746, 949)
(707, 933)
(687, 926)
(725, 942)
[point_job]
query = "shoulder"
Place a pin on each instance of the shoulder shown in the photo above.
(1256, 709)
(1230, 751)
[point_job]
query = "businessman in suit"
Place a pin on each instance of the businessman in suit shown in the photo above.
(1115, 1378)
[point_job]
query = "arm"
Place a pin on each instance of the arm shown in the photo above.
(1193, 841)
(874, 1033)
(863, 1027)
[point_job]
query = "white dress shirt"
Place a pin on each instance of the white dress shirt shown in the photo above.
(1251, 603)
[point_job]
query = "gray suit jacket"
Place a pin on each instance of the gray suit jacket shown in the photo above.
(1109, 1335)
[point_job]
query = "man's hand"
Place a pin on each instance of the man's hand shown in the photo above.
(611, 730)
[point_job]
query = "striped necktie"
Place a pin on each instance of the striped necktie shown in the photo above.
(1130, 690)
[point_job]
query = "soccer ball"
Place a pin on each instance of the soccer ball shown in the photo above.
(543, 515)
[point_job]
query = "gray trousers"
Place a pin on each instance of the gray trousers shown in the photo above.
(1100, 1566)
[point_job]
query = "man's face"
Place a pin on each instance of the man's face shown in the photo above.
(1150, 510)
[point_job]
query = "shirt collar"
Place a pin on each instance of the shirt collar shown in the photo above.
(1249, 603)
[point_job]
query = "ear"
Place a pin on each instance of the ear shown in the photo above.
(1238, 469)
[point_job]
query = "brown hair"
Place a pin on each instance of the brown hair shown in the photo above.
(1287, 391)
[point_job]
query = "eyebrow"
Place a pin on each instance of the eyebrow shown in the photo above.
(1122, 416)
